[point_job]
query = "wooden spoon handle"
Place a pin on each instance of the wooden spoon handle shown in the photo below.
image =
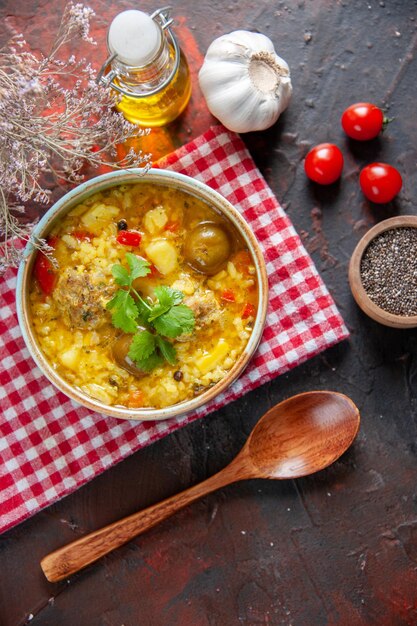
(80, 553)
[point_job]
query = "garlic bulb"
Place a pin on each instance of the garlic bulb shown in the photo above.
(245, 83)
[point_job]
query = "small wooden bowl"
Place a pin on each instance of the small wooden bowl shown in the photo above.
(355, 281)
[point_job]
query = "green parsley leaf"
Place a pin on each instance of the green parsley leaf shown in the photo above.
(166, 316)
(157, 310)
(179, 320)
(167, 298)
(167, 350)
(121, 275)
(124, 311)
(150, 362)
(142, 346)
(143, 312)
(138, 266)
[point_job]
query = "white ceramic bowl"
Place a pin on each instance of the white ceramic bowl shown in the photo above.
(157, 177)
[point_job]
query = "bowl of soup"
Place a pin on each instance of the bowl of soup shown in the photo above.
(152, 298)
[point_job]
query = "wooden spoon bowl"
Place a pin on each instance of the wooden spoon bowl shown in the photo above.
(297, 437)
(302, 435)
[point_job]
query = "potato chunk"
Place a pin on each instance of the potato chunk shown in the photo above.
(163, 255)
(155, 220)
(212, 359)
(70, 358)
(97, 218)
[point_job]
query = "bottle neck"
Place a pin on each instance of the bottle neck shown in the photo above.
(142, 80)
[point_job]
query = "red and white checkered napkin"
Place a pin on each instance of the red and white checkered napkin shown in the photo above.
(49, 445)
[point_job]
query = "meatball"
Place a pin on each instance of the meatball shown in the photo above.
(205, 307)
(207, 247)
(81, 298)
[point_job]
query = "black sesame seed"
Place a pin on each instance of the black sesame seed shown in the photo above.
(178, 375)
(122, 225)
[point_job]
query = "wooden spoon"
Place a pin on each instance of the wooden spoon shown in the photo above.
(297, 437)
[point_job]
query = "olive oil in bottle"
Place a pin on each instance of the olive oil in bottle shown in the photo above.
(147, 68)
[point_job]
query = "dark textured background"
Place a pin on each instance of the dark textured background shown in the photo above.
(338, 548)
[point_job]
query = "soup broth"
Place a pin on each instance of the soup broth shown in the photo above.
(190, 248)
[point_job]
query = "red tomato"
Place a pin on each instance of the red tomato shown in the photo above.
(129, 238)
(324, 163)
(248, 310)
(154, 272)
(242, 261)
(228, 295)
(82, 235)
(380, 182)
(44, 271)
(362, 121)
(172, 226)
(135, 400)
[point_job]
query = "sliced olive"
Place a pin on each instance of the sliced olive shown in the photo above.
(207, 247)
(120, 351)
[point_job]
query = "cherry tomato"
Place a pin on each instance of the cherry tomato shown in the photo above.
(380, 182)
(324, 163)
(44, 271)
(129, 238)
(362, 121)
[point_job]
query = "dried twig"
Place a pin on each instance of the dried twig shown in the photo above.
(54, 119)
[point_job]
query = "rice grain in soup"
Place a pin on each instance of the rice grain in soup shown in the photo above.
(191, 248)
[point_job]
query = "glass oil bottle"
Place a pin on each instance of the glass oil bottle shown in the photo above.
(146, 67)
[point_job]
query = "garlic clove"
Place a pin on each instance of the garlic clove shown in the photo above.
(245, 83)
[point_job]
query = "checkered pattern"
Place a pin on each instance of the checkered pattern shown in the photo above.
(49, 445)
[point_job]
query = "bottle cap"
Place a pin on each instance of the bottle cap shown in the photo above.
(134, 37)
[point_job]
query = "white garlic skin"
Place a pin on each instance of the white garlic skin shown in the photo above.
(245, 83)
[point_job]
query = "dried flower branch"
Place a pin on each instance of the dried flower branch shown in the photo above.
(54, 119)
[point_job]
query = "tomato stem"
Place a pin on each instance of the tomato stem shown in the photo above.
(386, 121)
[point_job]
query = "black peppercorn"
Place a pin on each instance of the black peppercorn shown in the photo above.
(122, 225)
(178, 375)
